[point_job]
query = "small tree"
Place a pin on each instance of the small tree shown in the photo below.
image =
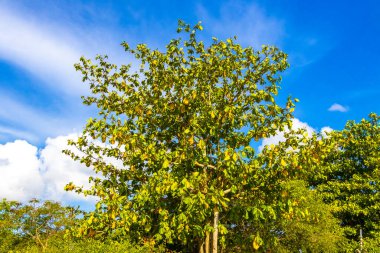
(180, 130)
(36, 221)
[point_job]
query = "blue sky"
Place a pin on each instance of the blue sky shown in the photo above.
(332, 46)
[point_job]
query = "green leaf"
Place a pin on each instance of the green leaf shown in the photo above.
(165, 164)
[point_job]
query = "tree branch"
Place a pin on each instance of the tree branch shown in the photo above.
(227, 191)
(204, 165)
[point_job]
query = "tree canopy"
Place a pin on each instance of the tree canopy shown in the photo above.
(35, 221)
(179, 131)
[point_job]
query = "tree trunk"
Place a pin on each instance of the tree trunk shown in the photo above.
(207, 243)
(202, 246)
(215, 233)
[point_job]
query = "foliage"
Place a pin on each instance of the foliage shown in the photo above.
(370, 245)
(41, 226)
(8, 240)
(350, 177)
(312, 227)
(172, 143)
(33, 223)
(59, 245)
(259, 224)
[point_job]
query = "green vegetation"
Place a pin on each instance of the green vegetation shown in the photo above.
(177, 173)
(44, 227)
(350, 177)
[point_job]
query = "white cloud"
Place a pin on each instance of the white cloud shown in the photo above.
(279, 136)
(45, 53)
(20, 178)
(58, 169)
(325, 130)
(338, 108)
(297, 124)
(48, 48)
(250, 23)
(25, 173)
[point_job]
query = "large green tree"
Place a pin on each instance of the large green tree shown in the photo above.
(171, 143)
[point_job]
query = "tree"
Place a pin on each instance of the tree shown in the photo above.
(172, 143)
(37, 222)
(43, 226)
(348, 176)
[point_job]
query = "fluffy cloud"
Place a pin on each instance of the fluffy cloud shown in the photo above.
(297, 124)
(26, 173)
(20, 177)
(58, 169)
(325, 130)
(338, 108)
(275, 139)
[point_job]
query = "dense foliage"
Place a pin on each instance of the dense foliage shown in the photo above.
(177, 129)
(35, 221)
(348, 177)
(313, 228)
(45, 227)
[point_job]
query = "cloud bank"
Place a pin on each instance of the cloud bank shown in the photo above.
(27, 172)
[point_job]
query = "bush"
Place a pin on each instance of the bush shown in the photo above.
(89, 246)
